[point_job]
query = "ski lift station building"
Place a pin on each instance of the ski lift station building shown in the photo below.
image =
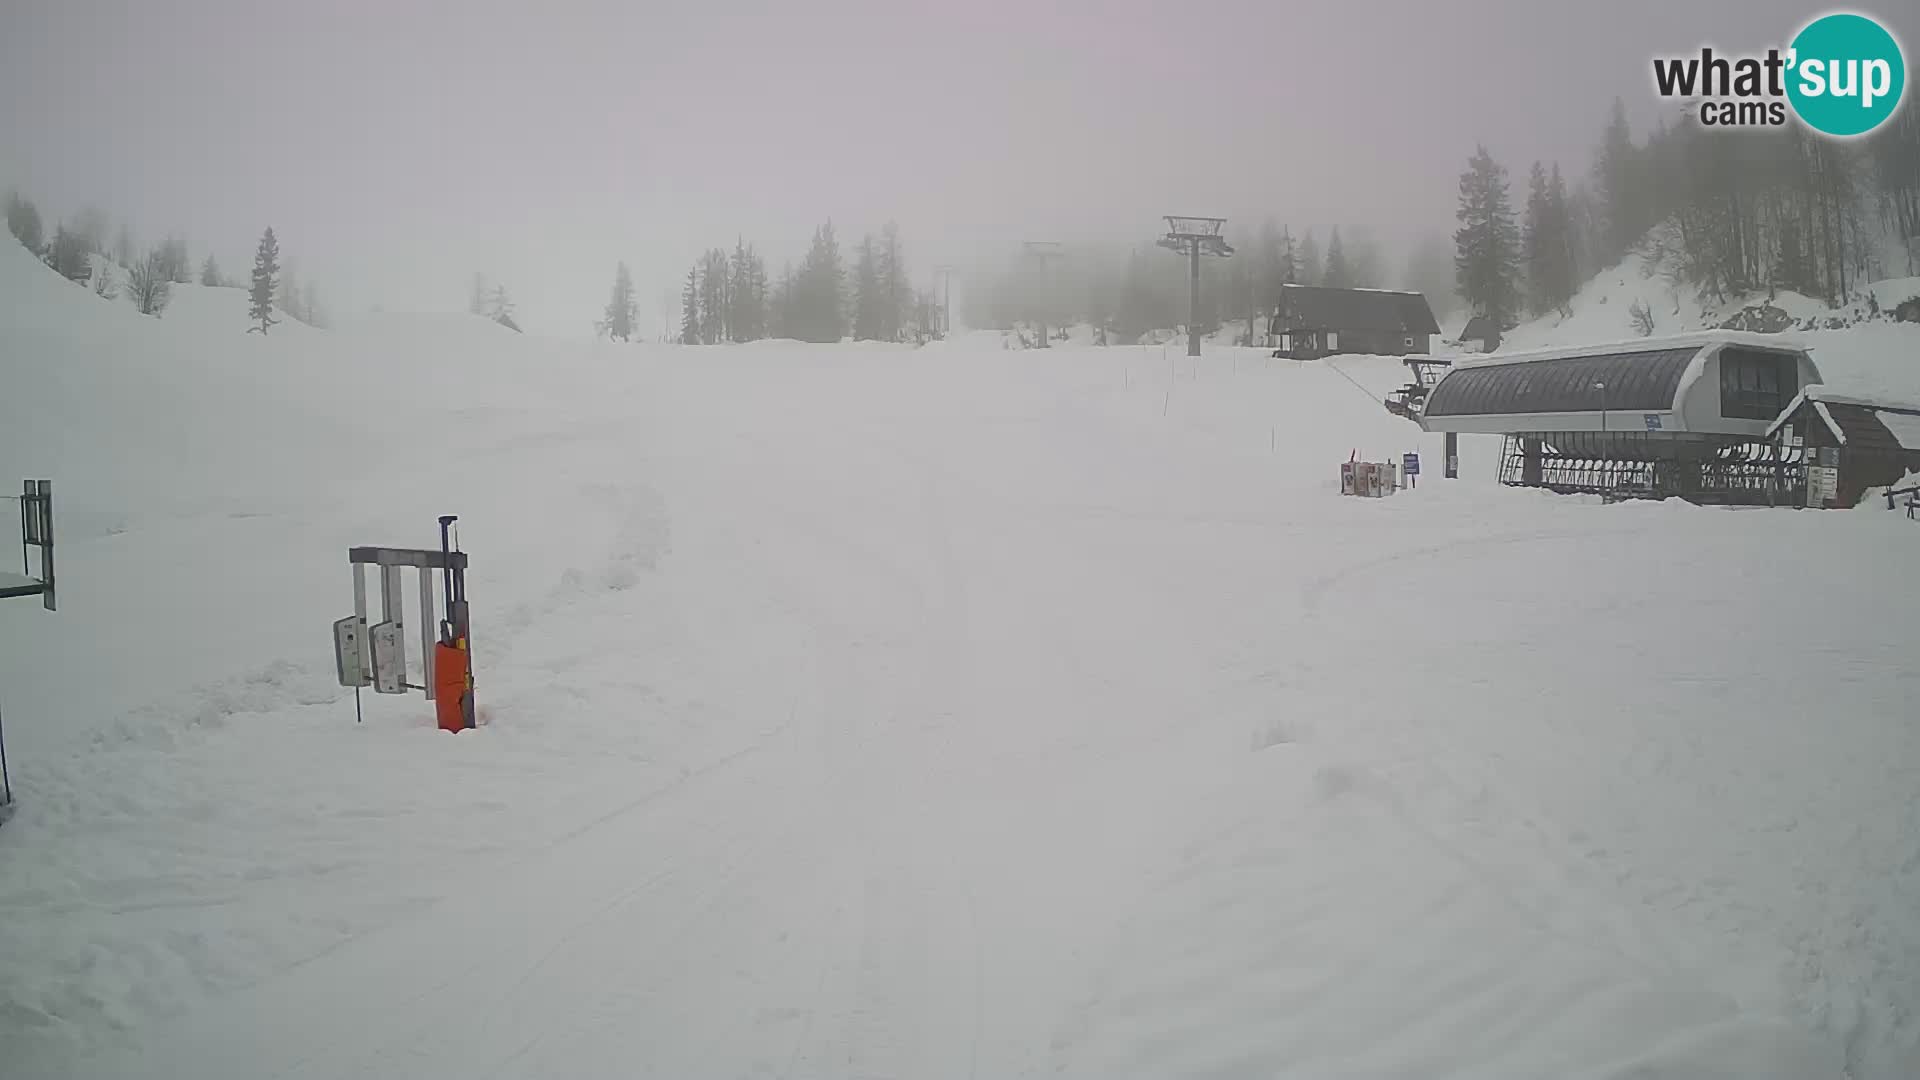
(1687, 415)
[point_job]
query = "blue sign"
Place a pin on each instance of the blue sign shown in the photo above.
(1653, 422)
(1410, 464)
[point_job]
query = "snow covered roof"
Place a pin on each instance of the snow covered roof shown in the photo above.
(1900, 419)
(1583, 381)
(1864, 422)
(1480, 328)
(1820, 392)
(1696, 340)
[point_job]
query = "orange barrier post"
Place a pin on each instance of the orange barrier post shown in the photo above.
(452, 685)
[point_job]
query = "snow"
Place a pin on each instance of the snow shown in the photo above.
(1904, 426)
(939, 712)
(1645, 344)
(1901, 418)
(1826, 417)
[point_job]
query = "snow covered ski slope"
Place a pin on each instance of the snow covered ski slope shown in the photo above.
(937, 713)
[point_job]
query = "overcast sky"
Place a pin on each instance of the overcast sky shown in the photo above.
(396, 147)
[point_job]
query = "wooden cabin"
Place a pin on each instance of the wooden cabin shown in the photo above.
(1311, 321)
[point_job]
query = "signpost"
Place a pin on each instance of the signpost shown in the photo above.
(1410, 464)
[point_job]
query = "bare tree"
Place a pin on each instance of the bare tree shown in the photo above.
(1641, 317)
(150, 282)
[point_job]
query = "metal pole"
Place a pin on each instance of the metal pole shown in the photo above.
(6, 784)
(46, 540)
(360, 614)
(1193, 298)
(446, 524)
(426, 629)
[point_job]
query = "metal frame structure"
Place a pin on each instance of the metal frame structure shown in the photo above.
(1409, 399)
(944, 281)
(1194, 237)
(1701, 468)
(36, 531)
(1043, 252)
(375, 655)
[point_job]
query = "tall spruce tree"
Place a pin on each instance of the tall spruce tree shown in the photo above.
(1620, 178)
(1309, 260)
(690, 308)
(868, 303)
(1561, 246)
(1535, 237)
(622, 310)
(266, 281)
(747, 294)
(1486, 256)
(67, 253)
(820, 307)
(713, 297)
(1338, 275)
(210, 273)
(896, 291)
(23, 220)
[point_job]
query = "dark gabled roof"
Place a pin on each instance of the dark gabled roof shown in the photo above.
(1480, 328)
(1861, 423)
(1642, 381)
(1312, 307)
(1860, 428)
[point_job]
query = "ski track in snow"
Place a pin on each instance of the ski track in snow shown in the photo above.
(873, 713)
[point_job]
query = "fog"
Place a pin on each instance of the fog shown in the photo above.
(397, 149)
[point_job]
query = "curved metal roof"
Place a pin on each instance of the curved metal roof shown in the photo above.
(1636, 381)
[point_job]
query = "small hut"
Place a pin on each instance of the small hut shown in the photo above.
(1481, 335)
(1874, 442)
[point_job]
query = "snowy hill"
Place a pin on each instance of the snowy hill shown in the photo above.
(939, 712)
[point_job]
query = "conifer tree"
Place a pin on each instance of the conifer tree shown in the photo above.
(622, 310)
(266, 269)
(23, 220)
(868, 303)
(1338, 276)
(1486, 257)
(690, 308)
(1309, 260)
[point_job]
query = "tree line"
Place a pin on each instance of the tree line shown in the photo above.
(82, 251)
(1124, 293)
(1727, 215)
(731, 297)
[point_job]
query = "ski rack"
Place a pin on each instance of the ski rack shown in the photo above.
(376, 655)
(36, 531)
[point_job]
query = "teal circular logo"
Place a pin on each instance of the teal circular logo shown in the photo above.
(1847, 74)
